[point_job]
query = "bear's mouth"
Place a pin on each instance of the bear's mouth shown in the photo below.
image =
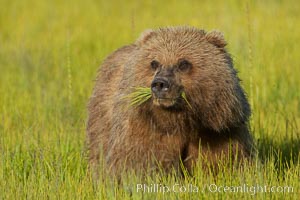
(178, 102)
(165, 102)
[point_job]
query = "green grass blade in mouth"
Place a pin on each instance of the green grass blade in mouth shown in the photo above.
(142, 94)
(139, 96)
(183, 95)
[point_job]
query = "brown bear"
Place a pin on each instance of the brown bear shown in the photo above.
(166, 131)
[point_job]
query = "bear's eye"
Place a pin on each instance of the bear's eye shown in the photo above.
(184, 65)
(154, 65)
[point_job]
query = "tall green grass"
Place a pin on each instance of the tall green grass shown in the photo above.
(49, 55)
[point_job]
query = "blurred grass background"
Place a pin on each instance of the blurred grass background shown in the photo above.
(49, 55)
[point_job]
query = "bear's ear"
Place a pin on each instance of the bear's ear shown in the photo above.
(216, 38)
(145, 36)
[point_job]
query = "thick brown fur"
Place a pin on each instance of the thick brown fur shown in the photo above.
(143, 137)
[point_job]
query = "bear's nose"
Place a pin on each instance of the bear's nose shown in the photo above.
(160, 85)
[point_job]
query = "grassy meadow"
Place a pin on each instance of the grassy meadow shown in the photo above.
(49, 55)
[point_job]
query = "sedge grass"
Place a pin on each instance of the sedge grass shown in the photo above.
(143, 94)
(49, 55)
(139, 96)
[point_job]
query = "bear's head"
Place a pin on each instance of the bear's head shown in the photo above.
(189, 70)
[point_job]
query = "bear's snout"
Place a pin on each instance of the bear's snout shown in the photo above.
(165, 91)
(159, 86)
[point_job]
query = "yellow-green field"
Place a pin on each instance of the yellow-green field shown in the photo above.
(49, 55)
